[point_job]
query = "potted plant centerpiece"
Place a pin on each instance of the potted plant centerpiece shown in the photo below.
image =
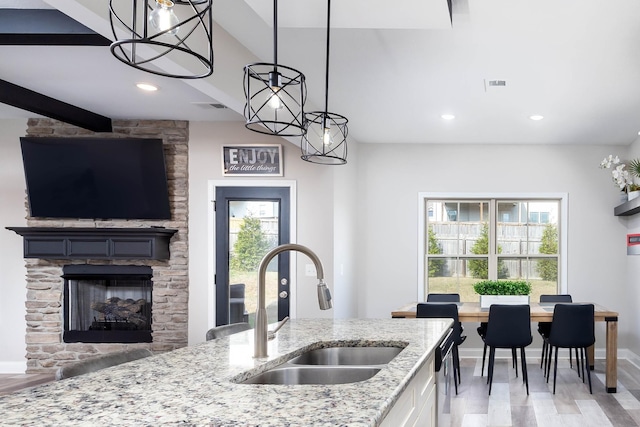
(502, 292)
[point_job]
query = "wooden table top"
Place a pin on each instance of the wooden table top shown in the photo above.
(540, 312)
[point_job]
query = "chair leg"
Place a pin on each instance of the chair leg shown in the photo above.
(457, 356)
(514, 360)
(484, 356)
(492, 357)
(586, 356)
(555, 371)
(456, 367)
(525, 375)
(571, 359)
(544, 351)
(549, 357)
(580, 365)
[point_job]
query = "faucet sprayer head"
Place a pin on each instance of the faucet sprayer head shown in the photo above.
(324, 296)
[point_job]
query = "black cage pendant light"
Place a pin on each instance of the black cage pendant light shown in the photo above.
(325, 139)
(275, 94)
(171, 38)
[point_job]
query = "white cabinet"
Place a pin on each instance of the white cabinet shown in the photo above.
(416, 406)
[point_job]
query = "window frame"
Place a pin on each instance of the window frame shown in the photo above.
(562, 226)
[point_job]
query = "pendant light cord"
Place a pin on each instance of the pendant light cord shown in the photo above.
(326, 86)
(275, 35)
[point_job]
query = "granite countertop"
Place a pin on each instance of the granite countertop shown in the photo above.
(192, 385)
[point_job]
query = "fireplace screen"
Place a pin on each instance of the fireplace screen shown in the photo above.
(107, 304)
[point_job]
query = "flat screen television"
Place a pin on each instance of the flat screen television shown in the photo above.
(96, 178)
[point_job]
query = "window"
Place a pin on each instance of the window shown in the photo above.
(469, 240)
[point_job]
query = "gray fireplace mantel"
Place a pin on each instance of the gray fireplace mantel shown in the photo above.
(95, 243)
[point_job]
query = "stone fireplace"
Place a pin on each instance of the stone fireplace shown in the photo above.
(157, 247)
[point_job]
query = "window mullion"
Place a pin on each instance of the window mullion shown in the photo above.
(493, 237)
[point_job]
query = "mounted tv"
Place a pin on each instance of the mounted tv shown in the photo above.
(96, 178)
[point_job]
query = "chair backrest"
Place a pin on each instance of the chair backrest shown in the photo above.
(236, 290)
(443, 310)
(443, 298)
(226, 330)
(572, 325)
(556, 298)
(509, 326)
(101, 362)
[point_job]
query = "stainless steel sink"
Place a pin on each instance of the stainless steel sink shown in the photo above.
(330, 365)
(295, 375)
(347, 356)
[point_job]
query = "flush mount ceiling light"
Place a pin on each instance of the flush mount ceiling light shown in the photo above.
(448, 116)
(536, 117)
(148, 87)
(275, 94)
(325, 139)
(164, 37)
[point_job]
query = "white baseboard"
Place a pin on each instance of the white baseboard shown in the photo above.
(13, 367)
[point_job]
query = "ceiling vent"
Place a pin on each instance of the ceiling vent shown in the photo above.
(215, 105)
(494, 84)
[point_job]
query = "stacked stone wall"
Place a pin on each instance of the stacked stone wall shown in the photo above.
(46, 350)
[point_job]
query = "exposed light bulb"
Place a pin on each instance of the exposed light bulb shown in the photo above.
(163, 18)
(275, 102)
(326, 136)
(275, 82)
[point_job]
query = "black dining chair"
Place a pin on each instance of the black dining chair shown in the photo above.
(447, 298)
(450, 311)
(443, 297)
(545, 327)
(509, 326)
(100, 362)
(226, 330)
(572, 327)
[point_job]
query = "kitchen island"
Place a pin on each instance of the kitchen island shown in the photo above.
(197, 385)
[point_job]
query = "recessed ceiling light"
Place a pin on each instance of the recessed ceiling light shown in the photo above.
(536, 117)
(147, 86)
(448, 116)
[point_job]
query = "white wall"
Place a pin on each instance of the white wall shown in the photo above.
(315, 218)
(12, 270)
(632, 289)
(390, 177)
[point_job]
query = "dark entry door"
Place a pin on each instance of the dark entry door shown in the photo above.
(250, 221)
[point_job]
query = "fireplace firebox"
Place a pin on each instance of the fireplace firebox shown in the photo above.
(107, 303)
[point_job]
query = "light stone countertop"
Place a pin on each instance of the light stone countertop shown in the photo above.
(191, 386)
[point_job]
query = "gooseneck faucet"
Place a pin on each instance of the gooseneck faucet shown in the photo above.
(324, 295)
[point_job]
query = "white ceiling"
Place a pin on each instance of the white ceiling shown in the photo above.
(395, 68)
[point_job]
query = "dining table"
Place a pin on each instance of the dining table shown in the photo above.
(543, 312)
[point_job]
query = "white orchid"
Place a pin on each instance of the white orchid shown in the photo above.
(620, 175)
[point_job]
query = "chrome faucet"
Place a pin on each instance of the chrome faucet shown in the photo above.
(324, 295)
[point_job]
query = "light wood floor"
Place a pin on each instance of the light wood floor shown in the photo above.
(509, 405)
(572, 405)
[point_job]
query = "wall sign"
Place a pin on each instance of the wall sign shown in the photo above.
(251, 160)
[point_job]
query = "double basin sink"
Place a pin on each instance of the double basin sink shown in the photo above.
(328, 365)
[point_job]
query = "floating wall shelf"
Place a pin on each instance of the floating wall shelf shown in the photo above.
(630, 207)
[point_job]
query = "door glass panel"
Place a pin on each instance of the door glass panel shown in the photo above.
(253, 231)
